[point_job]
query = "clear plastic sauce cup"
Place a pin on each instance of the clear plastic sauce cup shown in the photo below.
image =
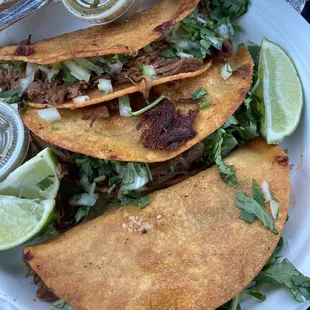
(14, 140)
(102, 11)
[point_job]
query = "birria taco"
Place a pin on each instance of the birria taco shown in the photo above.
(101, 63)
(188, 249)
(174, 125)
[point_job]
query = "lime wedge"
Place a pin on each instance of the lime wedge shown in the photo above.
(281, 91)
(22, 219)
(35, 179)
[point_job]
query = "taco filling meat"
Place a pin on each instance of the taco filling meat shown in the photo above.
(184, 49)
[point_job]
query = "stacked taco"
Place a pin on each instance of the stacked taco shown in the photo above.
(142, 116)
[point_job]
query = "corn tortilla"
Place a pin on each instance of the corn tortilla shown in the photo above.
(117, 138)
(196, 253)
(125, 38)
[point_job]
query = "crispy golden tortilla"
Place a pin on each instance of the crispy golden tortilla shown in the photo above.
(96, 96)
(125, 38)
(117, 138)
(188, 250)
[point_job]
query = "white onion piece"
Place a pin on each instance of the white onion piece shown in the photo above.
(50, 114)
(201, 20)
(86, 200)
(184, 55)
(274, 205)
(223, 31)
(31, 67)
(80, 99)
(83, 62)
(150, 72)
(44, 69)
(216, 42)
(52, 73)
(105, 86)
(124, 106)
(28, 79)
(226, 71)
(133, 180)
(184, 45)
(76, 71)
(115, 67)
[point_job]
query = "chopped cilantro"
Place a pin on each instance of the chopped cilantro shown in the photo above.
(22, 108)
(10, 93)
(251, 206)
(46, 183)
(199, 93)
(257, 193)
(285, 274)
(203, 104)
(227, 172)
(168, 53)
(144, 202)
(81, 213)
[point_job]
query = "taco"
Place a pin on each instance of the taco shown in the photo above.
(174, 125)
(101, 63)
(188, 249)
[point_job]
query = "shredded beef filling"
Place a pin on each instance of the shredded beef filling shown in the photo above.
(163, 66)
(164, 128)
(43, 292)
(9, 79)
(57, 91)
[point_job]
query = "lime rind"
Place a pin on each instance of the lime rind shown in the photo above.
(23, 182)
(23, 219)
(282, 93)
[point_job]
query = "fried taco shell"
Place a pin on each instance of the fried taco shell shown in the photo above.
(188, 249)
(125, 38)
(55, 60)
(117, 138)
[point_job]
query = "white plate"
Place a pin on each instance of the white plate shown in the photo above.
(274, 19)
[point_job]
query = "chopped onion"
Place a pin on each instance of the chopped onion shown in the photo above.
(226, 71)
(115, 67)
(124, 106)
(184, 55)
(49, 72)
(105, 86)
(223, 31)
(44, 69)
(28, 79)
(85, 183)
(149, 72)
(89, 65)
(80, 99)
(216, 42)
(92, 189)
(4, 66)
(201, 20)
(52, 73)
(31, 67)
(50, 114)
(274, 205)
(86, 200)
(133, 179)
(77, 71)
(184, 45)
